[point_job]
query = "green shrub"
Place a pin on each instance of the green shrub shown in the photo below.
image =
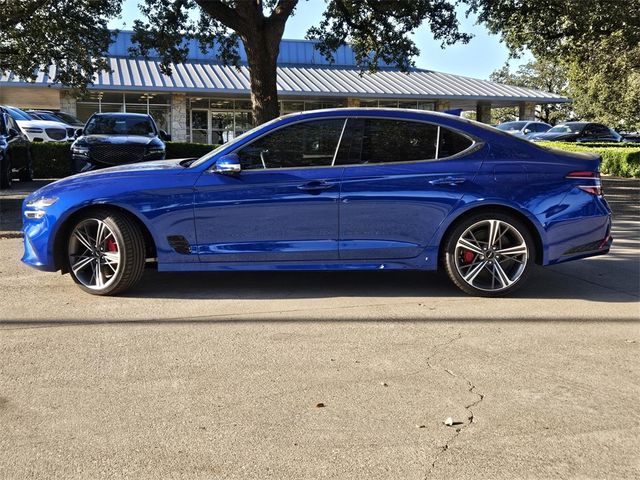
(188, 150)
(622, 160)
(51, 159)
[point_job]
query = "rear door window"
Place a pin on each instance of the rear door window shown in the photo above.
(389, 141)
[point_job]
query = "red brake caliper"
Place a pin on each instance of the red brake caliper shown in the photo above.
(468, 256)
(112, 246)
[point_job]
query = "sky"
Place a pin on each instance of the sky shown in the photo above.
(481, 56)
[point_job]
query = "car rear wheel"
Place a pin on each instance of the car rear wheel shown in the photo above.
(106, 253)
(489, 255)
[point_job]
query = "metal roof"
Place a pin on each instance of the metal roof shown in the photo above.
(200, 77)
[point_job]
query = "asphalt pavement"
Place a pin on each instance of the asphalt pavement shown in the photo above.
(325, 375)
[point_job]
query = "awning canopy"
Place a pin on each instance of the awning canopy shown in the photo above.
(202, 77)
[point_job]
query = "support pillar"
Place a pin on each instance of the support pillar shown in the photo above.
(442, 105)
(527, 111)
(68, 103)
(178, 117)
(483, 112)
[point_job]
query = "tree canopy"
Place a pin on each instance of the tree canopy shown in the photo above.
(540, 75)
(73, 35)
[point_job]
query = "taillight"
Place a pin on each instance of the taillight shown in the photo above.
(595, 185)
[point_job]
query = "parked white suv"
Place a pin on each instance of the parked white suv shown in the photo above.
(39, 130)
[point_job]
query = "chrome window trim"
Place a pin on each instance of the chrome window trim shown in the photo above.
(476, 143)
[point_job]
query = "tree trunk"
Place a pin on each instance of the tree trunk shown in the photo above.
(262, 55)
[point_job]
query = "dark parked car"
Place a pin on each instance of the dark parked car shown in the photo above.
(341, 189)
(110, 139)
(578, 132)
(523, 128)
(55, 116)
(15, 152)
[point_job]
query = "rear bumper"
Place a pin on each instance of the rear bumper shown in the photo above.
(592, 249)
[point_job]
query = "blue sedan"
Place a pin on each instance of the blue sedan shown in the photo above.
(335, 189)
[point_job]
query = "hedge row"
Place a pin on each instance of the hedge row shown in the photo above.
(53, 159)
(619, 159)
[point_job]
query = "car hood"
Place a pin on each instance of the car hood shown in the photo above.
(40, 124)
(83, 180)
(117, 140)
(554, 136)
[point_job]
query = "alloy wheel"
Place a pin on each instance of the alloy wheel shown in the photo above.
(94, 254)
(491, 255)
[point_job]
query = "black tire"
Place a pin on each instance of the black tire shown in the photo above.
(130, 246)
(6, 172)
(26, 174)
(481, 273)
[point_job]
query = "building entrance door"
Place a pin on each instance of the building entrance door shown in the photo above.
(200, 126)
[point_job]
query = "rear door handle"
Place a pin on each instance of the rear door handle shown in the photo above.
(315, 186)
(448, 181)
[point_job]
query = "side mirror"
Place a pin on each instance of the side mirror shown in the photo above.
(78, 133)
(526, 131)
(13, 133)
(228, 165)
(165, 136)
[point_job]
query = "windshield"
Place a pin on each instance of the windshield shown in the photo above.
(45, 116)
(511, 126)
(66, 118)
(18, 114)
(119, 125)
(566, 128)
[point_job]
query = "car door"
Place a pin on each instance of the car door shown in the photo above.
(400, 181)
(18, 144)
(282, 206)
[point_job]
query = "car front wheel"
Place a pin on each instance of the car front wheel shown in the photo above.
(489, 255)
(106, 253)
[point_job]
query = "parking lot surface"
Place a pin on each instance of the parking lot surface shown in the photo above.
(324, 375)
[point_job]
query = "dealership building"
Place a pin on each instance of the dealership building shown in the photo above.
(207, 102)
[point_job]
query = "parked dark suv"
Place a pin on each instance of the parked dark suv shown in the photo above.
(110, 139)
(15, 152)
(578, 132)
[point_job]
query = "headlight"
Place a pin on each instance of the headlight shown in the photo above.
(42, 202)
(81, 151)
(38, 205)
(33, 130)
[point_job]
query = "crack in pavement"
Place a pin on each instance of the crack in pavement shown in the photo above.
(468, 407)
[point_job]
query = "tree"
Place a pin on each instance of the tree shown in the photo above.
(606, 88)
(70, 34)
(540, 75)
(73, 34)
(595, 41)
(377, 30)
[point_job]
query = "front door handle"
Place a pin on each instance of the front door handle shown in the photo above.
(315, 186)
(448, 181)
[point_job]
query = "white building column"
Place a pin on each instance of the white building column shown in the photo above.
(178, 117)
(68, 103)
(527, 111)
(483, 112)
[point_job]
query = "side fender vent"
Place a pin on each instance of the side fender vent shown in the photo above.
(179, 244)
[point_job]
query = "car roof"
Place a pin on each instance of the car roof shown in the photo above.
(128, 114)
(574, 123)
